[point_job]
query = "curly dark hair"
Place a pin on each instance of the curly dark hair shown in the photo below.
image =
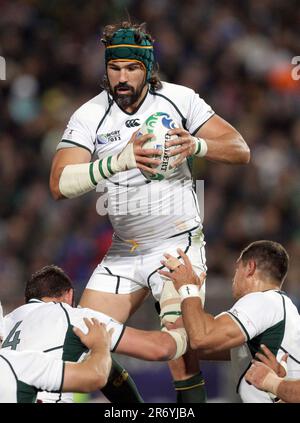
(139, 33)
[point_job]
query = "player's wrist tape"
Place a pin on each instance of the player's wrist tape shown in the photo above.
(283, 363)
(200, 147)
(77, 179)
(180, 337)
(271, 382)
(125, 160)
(188, 291)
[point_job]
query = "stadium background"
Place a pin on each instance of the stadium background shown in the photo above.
(236, 54)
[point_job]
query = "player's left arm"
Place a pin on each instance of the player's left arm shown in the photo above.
(223, 143)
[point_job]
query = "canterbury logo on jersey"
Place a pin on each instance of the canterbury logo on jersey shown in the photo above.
(132, 122)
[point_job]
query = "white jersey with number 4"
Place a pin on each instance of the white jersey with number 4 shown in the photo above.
(268, 318)
(42, 326)
(22, 374)
(141, 210)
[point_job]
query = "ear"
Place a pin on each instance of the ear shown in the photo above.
(250, 268)
(68, 297)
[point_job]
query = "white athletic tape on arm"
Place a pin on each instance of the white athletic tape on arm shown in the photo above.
(283, 363)
(169, 302)
(180, 337)
(200, 147)
(125, 160)
(77, 179)
(271, 383)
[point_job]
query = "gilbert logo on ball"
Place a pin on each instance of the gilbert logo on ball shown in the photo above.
(158, 125)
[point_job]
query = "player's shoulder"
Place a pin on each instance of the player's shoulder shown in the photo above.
(65, 308)
(93, 107)
(178, 96)
(175, 91)
(19, 312)
(261, 298)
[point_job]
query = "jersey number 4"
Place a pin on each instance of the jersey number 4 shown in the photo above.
(13, 338)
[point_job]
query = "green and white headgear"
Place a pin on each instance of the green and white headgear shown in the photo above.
(123, 47)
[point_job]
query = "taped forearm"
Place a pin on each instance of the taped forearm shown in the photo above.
(78, 179)
(200, 147)
(180, 337)
(271, 383)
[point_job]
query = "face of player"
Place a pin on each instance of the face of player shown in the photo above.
(127, 83)
(239, 283)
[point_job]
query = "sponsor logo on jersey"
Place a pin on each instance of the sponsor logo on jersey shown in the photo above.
(110, 137)
(131, 123)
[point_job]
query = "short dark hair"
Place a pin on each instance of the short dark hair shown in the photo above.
(50, 281)
(270, 257)
(139, 29)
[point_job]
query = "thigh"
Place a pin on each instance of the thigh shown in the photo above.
(115, 288)
(118, 306)
(192, 244)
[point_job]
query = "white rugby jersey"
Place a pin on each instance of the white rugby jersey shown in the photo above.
(138, 209)
(42, 326)
(268, 318)
(24, 373)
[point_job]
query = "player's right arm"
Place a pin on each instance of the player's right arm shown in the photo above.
(93, 372)
(73, 173)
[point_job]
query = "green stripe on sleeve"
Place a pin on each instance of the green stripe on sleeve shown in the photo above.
(109, 165)
(92, 174)
(101, 170)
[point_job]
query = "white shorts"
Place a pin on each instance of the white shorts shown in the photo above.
(126, 269)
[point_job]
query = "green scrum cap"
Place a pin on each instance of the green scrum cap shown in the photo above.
(123, 46)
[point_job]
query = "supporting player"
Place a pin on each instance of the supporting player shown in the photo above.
(262, 314)
(46, 321)
(106, 126)
(24, 373)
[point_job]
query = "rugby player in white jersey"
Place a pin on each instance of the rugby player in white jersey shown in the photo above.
(45, 323)
(106, 126)
(25, 373)
(262, 315)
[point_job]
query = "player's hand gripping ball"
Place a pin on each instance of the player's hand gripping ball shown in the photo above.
(158, 125)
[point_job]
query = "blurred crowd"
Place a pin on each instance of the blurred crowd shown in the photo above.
(236, 54)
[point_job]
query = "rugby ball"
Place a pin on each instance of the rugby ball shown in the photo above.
(158, 125)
